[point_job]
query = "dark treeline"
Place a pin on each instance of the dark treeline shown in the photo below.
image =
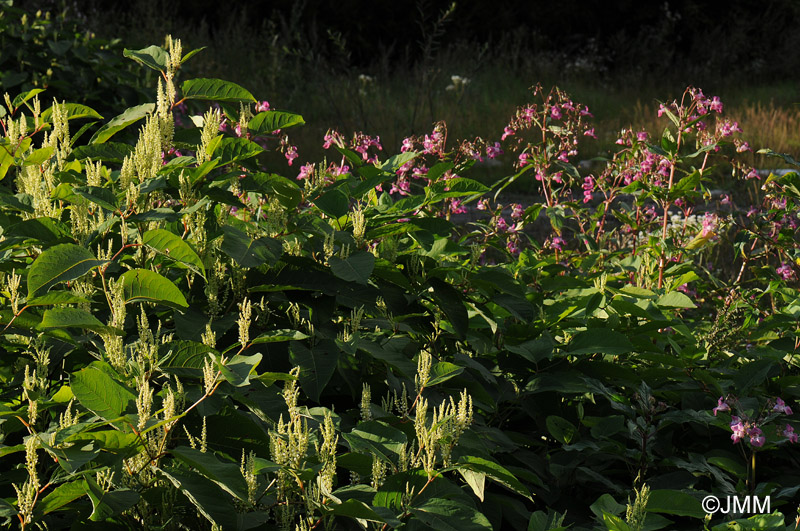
(719, 38)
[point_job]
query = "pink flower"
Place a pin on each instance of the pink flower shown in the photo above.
(721, 405)
(456, 207)
(501, 224)
(555, 112)
(507, 132)
(715, 104)
(641, 136)
(494, 151)
(742, 147)
(262, 106)
(524, 159)
(483, 204)
(785, 271)
(305, 171)
(753, 174)
(331, 138)
(291, 154)
(517, 211)
(408, 145)
(756, 437)
(512, 247)
(558, 243)
(738, 428)
(781, 407)
(590, 133)
(790, 434)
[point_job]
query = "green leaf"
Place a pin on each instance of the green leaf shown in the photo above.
(238, 369)
(357, 509)
(615, 523)
(450, 515)
(443, 371)
(561, 429)
(186, 354)
(118, 123)
(602, 341)
(107, 152)
(333, 203)
(192, 54)
(56, 297)
(72, 318)
(103, 197)
(450, 301)
(375, 436)
(249, 252)
(317, 366)
(59, 263)
(456, 188)
(108, 504)
(266, 122)
(145, 285)
(215, 90)
(227, 476)
(494, 471)
(355, 268)
(75, 111)
(153, 57)
(100, 393)
(60, 496)
(25, 96)
(210, 500)
(39, 156)
(674, 502)
(42, 229)
(675, 299)
(235, 149)
(172, 246)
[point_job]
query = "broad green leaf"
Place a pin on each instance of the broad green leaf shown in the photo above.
(450, 515)
(317, 365)
(42, 229)
(186, 354)
(153, 56)
(675, 299)
(60, 496)
(443, 371)
(108, 504)
(456, 188)
(265, 123)
(107, 152)
(226, 475)
(100, 393)
(75, 111)
(171, 245)
(561, 429)
(145, 285)
(249, 252)
(674, 502)
(375, 436)
(209, 499)
(118, 123)
(191, 54)
(333, 203)
(357, 509)
(215, 90)
(59, 263)
(355, 268)
(238, 369)
(71, 318)
(276, 336)
(113, 441)
(600, 341)
(25, 96)
(476, 481)
(451, 303)
(98, 195)
(494, 471)
(615, 523)
(6, 509)
(236, 149)
(39, 156)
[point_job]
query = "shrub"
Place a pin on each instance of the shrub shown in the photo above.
(193, 339)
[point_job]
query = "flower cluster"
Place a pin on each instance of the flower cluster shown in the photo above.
(744, 427)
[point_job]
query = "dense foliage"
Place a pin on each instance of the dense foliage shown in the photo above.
(199, 333)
